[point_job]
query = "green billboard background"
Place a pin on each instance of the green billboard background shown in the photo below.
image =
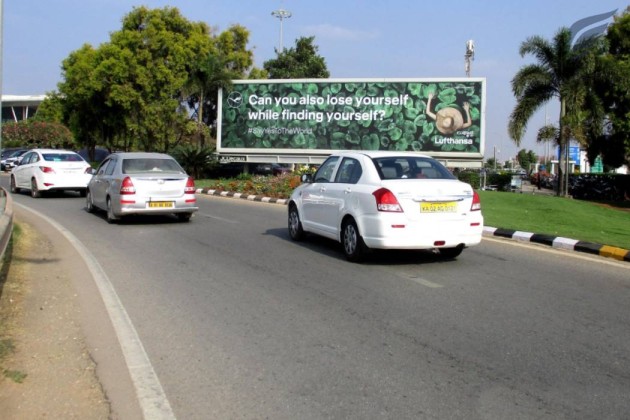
(298, 115)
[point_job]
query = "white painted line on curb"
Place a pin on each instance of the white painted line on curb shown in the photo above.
(151, 396)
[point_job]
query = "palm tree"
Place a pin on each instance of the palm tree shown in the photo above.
(561, 72)
(210, 75)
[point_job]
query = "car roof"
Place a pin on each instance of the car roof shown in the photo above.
(52, 151)
(142, 155)
(379, 153)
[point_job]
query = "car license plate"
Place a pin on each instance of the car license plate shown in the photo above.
(160, 204)
(443, 207)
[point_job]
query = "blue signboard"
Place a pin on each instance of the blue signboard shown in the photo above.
(574, 154)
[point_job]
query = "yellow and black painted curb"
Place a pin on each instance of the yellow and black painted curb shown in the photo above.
(561, 243)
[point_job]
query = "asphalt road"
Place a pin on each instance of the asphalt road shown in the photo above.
(240, 322)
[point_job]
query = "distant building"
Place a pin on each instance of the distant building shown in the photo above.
(20, 107)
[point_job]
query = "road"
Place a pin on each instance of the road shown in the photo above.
(240, 322)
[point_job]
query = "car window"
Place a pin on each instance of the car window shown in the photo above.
(133, 166)
(103, 166)
(349, 171)
(61, 157)
(411, 167)
(325, 172)
(28, 158)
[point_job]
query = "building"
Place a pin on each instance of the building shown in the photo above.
(20, 107)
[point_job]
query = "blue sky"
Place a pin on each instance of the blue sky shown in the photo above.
(358, 39)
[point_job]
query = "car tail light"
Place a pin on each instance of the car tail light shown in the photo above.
(476, 203)
(386, 201)
(126, 187)
(190, 186)
(47, 169)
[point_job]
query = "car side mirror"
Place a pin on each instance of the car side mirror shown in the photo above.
(307, 178)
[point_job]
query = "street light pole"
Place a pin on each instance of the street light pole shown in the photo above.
(281, 14)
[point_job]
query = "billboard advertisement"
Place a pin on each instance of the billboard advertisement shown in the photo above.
(319, 116)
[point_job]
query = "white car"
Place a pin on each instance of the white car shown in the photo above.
(386, 200)
(42, 170)
(137, 183)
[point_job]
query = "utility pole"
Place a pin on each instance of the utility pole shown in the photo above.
(469, 56)
(281, 14)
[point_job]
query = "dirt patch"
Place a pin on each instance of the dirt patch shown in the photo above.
(45, 367)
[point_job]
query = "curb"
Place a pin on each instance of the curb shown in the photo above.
(561, 243)
(539, 238)
(260, 198)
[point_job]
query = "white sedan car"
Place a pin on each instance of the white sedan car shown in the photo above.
(386, 200)
(43, 170)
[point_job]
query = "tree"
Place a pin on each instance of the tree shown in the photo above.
(51, 109)
(560, 73)
(298, 63)
(526, 158)
(127, 94)
(612, 84)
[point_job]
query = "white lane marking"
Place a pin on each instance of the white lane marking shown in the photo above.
(151, 396)
(222, 219)
(421, 281)
(426, 283)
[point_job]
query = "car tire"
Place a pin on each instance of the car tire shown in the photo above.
(14, 188)
(111, 217)
(353, 246)
(89, 204)
(35, 192)
(184, 217)
(296, 232)
(451, 253)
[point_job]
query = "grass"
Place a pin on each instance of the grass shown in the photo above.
(575, 219)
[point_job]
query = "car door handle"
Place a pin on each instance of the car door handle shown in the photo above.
(347, 191)
(322, 189)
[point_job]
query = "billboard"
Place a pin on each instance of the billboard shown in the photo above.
(441, 117)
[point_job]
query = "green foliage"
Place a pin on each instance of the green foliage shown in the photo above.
(613, 86)
(130, 93)
(526, 157)
(34, 133)
(195, 160)
(50, 110)
(502, 180)
(301, 62)
(470, 177)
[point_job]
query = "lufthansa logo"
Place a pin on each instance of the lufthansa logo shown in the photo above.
(235, 99)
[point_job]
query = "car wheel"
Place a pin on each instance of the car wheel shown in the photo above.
(14, 188)
(295, 225)
(111, 217)
(451, 253)
(184, 217)
(35, 192)
(89, 204)
(353, 245)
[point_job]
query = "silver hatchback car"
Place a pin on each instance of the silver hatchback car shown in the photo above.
(141, 183)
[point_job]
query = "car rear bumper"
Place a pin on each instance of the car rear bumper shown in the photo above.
(399, 233)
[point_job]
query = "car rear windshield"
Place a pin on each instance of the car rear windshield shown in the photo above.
(143, 165)
(62, 157)
(411, 167)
